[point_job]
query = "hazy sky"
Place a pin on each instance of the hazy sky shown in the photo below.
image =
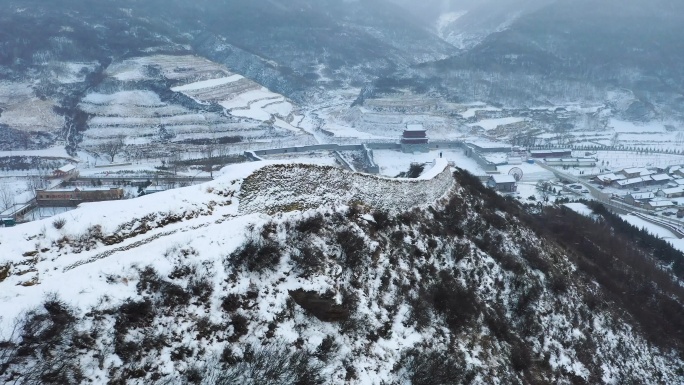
(432, 9)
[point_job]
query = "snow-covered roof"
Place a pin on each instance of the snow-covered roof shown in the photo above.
(638, 170)
(628, 182)
(679, 181)
(96, 188)
(502, 179)
(660, 203)
(643, 196)
(69, 190)
(550, 151)
(570, 160)
(414, 127)
(60, 190)
(610, 177)
(660, 177)
(675, 190)
(67, 168)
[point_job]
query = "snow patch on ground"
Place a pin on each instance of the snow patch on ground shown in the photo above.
(134, 98)
(490, 124)
(207, 83)
(638, 128)
(392, 162)
(580, 208)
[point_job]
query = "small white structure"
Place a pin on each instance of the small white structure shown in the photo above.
(572, 162)
(608, 179)
(67, 171)
(637, 198)
(634, 182)
(660, 178)
(676, 192)
(503, 183)
(654, 205)
(636, 172)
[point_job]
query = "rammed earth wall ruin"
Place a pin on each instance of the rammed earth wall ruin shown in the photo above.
(281, 188)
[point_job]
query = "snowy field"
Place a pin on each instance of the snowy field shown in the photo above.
(618, 160)
(531, 172)
(179, 68)
(580, 208)
(52, 152)
(622, 127)
(23, 110)
(321, 158)
(470, 112)
(491, 124)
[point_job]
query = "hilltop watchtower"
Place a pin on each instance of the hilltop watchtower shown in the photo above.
(414, 139)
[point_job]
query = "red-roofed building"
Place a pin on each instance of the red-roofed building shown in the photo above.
(414, 139)
(67, 171)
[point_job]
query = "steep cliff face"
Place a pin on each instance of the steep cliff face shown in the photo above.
(469, 288)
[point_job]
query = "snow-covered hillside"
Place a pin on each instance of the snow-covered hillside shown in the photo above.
(32, 253)
(237, 282)
(191, 97)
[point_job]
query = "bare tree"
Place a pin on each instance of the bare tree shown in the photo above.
(35, 182)
(112, 148)
(174, 159)
(210, 152)
(6, 196)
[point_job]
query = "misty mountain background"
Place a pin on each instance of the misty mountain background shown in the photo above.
(519, 53)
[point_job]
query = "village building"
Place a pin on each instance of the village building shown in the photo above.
(503, 183)
(571, 162)
(675, 192)
(542, 154)
(608, 179)
(636, 199)
(631, 173)
(660, 179)
(67, 171)
(414, 139)
(655, 205)
(633, 182)
(678, 173)
(75, 196)
(678, 182)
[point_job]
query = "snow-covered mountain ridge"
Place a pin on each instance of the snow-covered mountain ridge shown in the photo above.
(212, 285)
(269, 187)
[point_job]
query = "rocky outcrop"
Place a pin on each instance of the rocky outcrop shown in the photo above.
(326, 310)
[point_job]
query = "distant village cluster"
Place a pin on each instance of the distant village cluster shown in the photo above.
(501, 166)
(651, 189)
